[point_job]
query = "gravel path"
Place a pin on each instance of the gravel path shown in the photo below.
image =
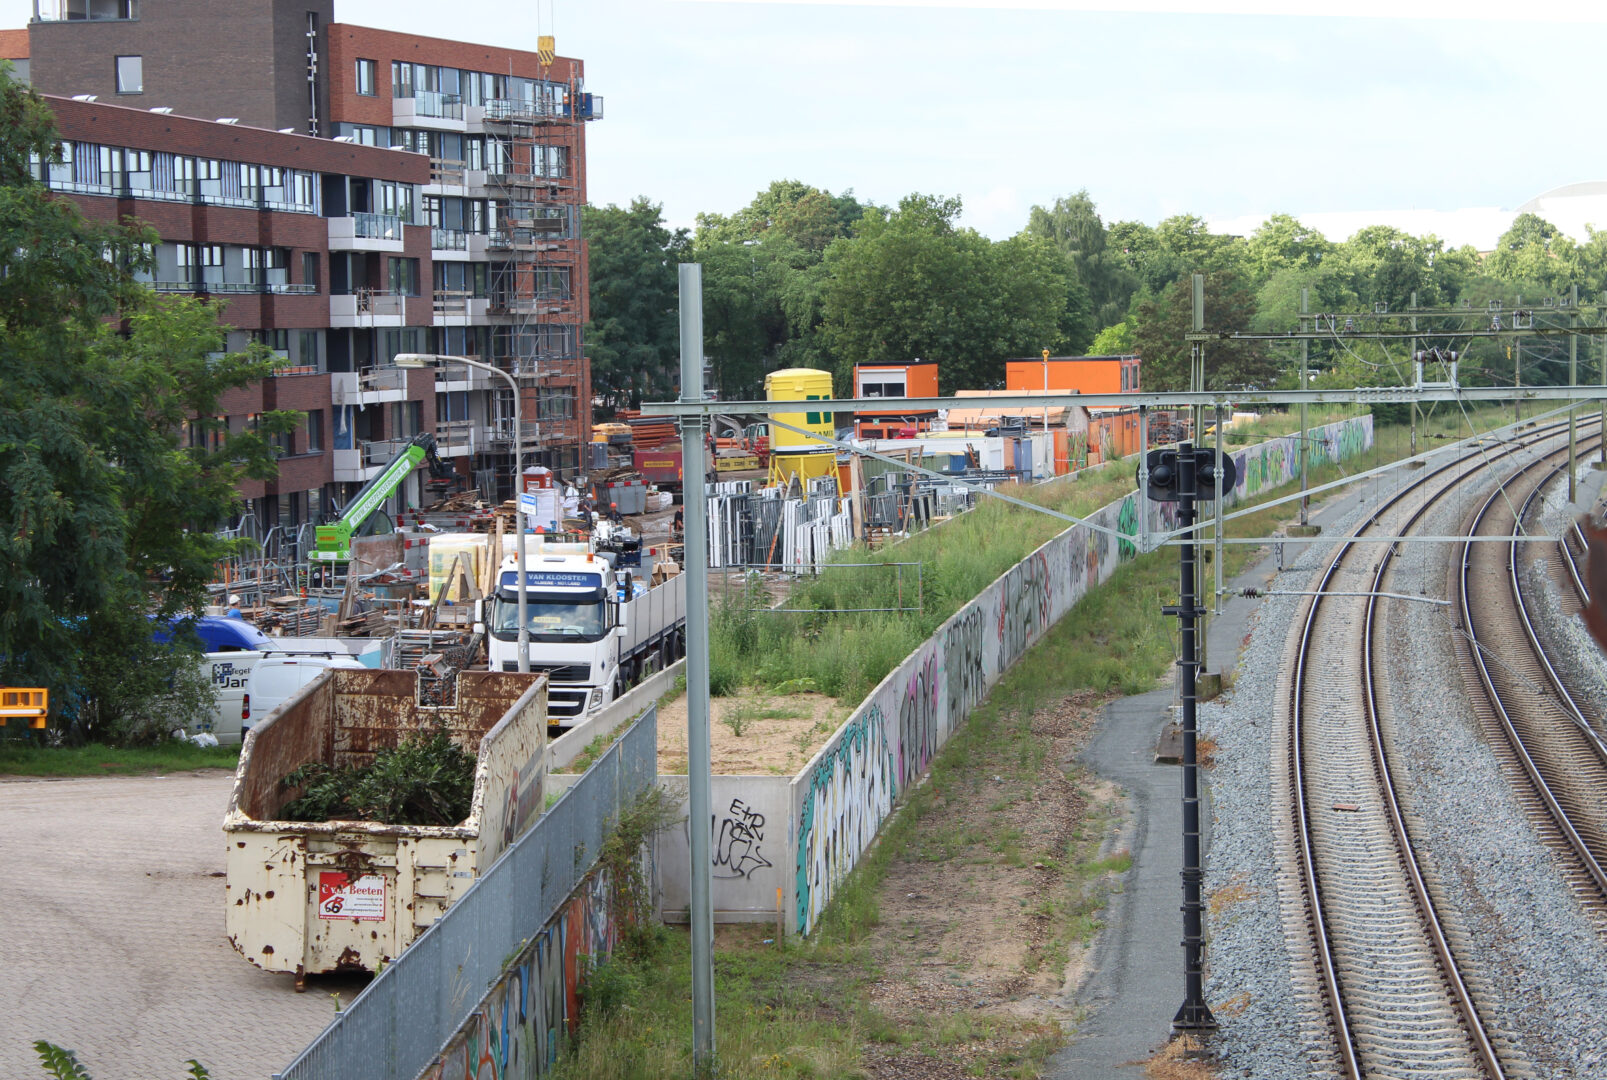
(1535, 957)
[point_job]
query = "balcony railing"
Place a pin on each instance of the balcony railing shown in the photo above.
(452, 301)
(378, 226)
(447, 170)
(505, 109)
(276, 288)
(87, 10)
(449, 240)
(436, 104)
(382, 451)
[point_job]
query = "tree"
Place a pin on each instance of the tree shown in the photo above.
(1283, 243)
(914, 285)
(634, 334)
(1073, 225)
(1229, 306)
(1535, 252)
(106, 515)
(808, 216)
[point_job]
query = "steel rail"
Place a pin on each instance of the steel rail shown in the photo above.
(1327, 967)
(1558, 815)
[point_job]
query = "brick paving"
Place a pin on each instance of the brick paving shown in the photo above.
(112, 941)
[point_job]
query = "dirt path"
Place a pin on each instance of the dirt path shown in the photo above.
(1002, 874)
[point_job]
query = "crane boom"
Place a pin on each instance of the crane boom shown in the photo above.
(334, 541)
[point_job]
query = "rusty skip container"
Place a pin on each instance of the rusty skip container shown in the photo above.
(311, 897)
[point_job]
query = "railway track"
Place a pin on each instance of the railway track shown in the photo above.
(1550, 742)
(1398, 1002)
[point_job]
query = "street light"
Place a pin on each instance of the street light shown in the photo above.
(424, 360)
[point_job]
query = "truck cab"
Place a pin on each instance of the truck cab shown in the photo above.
(593, 630)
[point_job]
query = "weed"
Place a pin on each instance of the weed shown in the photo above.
(426, 779)
(588, 756)
(64, 1064)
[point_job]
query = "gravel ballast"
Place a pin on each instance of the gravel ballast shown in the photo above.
(1534, 956)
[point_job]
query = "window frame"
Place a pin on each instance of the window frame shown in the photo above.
(138, 72)
(371, 67)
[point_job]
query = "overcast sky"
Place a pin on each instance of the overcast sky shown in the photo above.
(1210, 108)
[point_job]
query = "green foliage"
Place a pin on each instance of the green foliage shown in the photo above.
(138, 692)
(641, 932)
(913, 284)
(106, 511)
(633, 337)
(64, 1064)
(427, 779)
(1164, 322)
(1116, 339)
(59, 1063)
(1073, 225)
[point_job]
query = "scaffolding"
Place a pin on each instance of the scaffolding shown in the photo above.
(534, 179)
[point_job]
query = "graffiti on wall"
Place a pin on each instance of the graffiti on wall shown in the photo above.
(964, 674)
(850, 790)
(1023, 607)
(518, 1029)
(737, 837)
(918, 735)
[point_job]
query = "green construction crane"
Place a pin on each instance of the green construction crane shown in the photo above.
(334, 541)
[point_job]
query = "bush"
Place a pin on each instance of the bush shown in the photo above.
(135, 691)
(426, 780)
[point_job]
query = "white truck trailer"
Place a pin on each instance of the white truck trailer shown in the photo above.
(594, 631)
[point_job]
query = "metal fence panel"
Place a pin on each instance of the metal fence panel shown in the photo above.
(408, 1013)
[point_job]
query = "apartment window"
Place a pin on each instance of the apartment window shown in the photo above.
(307, 349)
(138, 166)
(309, 268)
(131, 75)
(210, 257)
(277, 340)
(451, 406)
(403, 277)
(366, 78)
(315, 431)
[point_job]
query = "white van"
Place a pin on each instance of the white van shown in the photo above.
(275, 679)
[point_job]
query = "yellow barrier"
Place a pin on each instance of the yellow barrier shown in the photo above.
(24, 703)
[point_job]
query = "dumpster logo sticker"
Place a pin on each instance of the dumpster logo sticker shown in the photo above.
(339, 897)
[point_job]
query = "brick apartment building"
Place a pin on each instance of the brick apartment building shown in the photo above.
(351, 193)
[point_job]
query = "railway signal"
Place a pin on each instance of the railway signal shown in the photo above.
(1178, 476)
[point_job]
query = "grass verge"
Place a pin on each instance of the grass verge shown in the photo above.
(20, 757)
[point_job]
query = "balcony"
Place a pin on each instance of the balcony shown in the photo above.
(367, 307)
(366, 232)
(87, 10)
(433, 111)
(531, 305)
(348, 467)
(459, 307)
(235, 288)
(455, 245)
(376, 386)
(449, 176)
(501, 431)
(453, 378)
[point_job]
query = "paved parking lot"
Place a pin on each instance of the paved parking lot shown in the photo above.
(112, 942)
